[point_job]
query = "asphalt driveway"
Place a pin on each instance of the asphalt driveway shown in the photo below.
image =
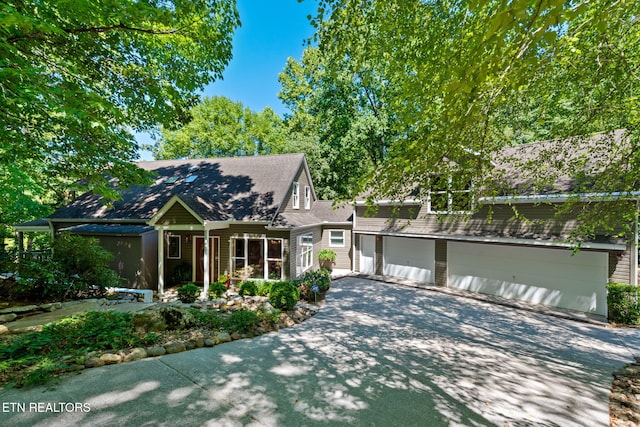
(375, 355)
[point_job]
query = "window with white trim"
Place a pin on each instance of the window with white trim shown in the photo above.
(174, 250)
(336, 238)
(307, 197)
(448, 194)
(305, 248)
(257, 257)
(295, 195)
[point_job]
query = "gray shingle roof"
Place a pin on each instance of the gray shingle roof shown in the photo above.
(233, 188)
(562, 166)
(321, 212)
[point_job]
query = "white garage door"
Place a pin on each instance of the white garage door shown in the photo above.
(367, 254)
(409, 258)
(552, 277)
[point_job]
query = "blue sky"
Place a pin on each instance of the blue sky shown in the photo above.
(271, 31)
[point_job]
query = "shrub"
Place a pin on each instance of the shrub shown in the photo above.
(188, 293)
(181, 273)
(326, 256)
(248, 288)
(207, 319)
(217, 290)
(78, 267)
(243, 320)
(263, 288)
(283, 295)
(622, 303)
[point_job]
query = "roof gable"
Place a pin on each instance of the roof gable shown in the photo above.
(225, 189)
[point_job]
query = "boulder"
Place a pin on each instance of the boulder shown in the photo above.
(174, 347)
(93, 362)
(110, 358)
(136, 354)
(223, 337)
(156, 351)
(8, 317)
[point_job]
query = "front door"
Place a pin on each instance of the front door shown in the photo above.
(214, 259)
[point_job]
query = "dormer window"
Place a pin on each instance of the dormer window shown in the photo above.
(450, 194)
(307, 197)
(295, 195)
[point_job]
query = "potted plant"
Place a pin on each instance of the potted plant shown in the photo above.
(326, 257)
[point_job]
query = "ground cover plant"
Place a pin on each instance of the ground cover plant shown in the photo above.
(34, 357)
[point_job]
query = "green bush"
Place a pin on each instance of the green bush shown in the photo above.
(188, 293)
(283, 295)
(33, 357)
(326, 256)
(78, 267)
(243, 321)
(263, 288)
(207, 319)
(181, 273)
(622, 303)
(216, 290)
(248, 288)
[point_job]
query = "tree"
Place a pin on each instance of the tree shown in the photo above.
(77, 77)
(472, 77)
(223, 128)
(344, 111)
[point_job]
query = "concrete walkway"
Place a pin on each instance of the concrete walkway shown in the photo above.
(376, 355)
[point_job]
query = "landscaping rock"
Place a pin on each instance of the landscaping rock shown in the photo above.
(3, 330)
(93, 362)
(198, 342)
(156, 351)
(223, 337)
(174, 347)
(209, 342)
(19, 310)
(4, 318)
(110, 358)
(136, 354)
(149, 321)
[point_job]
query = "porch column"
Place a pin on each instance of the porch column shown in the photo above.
(207, 265)
(160, 262)
(20, 239)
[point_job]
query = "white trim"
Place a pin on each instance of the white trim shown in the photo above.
(634, 250)
(172, 201)
(169, 244)
(295, 195)
(307, 197)
(160, 262)
(180, 227)
(559, 198)
(304, 251)
(505, 240)
(344, 239)
(216, 259)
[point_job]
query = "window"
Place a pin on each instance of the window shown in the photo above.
(174, 249)
(306, 251)
(336, 238)
(257, 258)
(295, 195)
(307, 197)
(191, 178)
(449, 194)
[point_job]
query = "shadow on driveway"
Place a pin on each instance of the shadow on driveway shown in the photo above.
(375, 355)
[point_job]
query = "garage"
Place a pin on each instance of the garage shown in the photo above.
(548, 276)
(367, 254)
(409, 258)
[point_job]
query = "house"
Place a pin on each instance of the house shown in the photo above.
(526, 257)
(253, 216)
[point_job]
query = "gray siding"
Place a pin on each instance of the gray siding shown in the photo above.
(343, 254)
(620, 267)
(539, 222)
(295, 264)
(303, 180)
